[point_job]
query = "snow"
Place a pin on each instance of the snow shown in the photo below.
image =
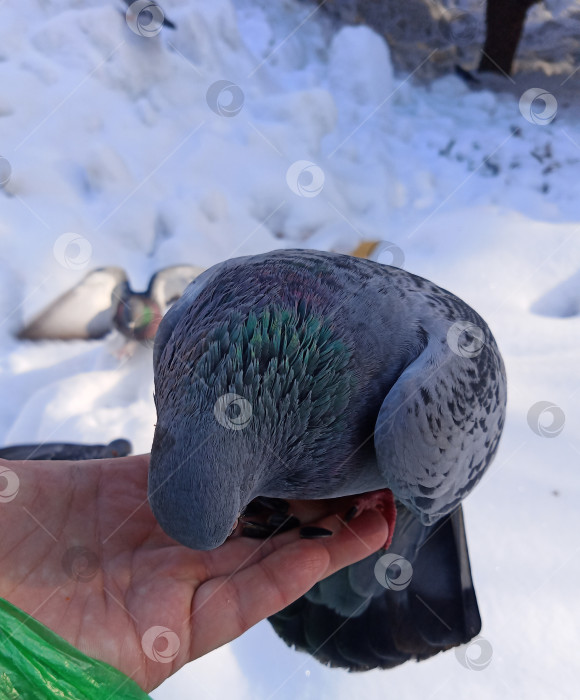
(118, 156)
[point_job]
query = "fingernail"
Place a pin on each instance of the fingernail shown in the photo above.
(351, 513)
(310, 532)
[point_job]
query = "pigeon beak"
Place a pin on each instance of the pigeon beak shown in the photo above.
(195, 505)
(189, 525)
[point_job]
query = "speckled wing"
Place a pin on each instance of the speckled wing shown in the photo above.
(84, 312)
(439, 426)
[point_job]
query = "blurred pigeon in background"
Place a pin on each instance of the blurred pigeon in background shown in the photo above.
(67, 450)
(103, 300)
(307, 375)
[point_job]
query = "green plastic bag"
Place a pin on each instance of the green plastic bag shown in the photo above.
(36, 663)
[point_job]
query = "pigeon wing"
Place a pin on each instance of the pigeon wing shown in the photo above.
(353, 621)
(84, 312)
(439, 426)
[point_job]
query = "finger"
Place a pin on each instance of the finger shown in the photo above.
(242, 599)
(240, 551)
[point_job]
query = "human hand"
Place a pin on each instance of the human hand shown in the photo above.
(82, 553)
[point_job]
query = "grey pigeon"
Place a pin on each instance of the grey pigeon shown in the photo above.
(66, 450)
(300, 374)
(103, 300)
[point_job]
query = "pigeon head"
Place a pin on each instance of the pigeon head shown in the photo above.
(245, 408)
(138, 317)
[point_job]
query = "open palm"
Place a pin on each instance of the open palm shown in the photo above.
(82, 552)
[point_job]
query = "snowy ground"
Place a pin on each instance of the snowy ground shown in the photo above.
(111, 137)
